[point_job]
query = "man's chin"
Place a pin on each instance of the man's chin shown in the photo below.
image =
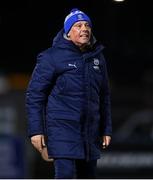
(85, 41)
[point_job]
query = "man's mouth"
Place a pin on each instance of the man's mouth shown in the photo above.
(84, 35)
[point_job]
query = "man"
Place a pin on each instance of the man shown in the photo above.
(68, 100)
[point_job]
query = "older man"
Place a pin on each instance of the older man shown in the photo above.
(68, 100)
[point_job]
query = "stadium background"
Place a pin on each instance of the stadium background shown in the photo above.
(126, 30)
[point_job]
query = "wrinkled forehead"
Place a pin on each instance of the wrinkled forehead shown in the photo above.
(81, 23)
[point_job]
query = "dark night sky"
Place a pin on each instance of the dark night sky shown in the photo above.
(125, 29)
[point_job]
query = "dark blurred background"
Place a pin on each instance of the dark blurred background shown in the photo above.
(126, 30)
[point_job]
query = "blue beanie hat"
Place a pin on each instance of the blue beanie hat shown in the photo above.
(75, 16)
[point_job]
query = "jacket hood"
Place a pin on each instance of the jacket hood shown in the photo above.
(60, 41)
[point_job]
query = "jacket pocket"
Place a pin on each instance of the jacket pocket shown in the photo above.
(63, 126)
(63, 115)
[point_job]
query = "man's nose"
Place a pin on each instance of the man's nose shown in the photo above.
(84, 27)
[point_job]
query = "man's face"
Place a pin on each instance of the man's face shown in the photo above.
(80, 33)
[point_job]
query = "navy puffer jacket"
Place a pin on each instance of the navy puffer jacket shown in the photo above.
(68, 99)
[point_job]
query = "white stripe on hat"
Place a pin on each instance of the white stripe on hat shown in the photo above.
(72, 14)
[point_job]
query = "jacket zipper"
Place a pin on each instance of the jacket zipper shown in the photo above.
(87, 111)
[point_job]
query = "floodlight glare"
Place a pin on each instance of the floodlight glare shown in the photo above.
(119, 0)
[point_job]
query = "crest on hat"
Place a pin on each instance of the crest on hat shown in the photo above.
(80, 17)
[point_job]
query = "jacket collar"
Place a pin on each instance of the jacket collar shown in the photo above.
(61, 41)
